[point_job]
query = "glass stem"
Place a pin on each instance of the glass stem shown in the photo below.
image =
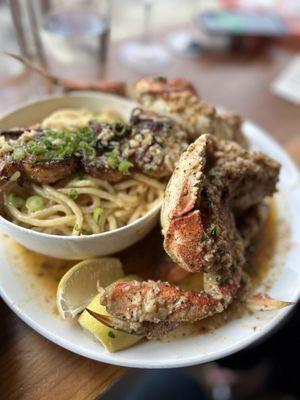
(146, 37)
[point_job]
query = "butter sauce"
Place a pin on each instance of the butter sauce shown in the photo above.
(263, 265)
(43, 273)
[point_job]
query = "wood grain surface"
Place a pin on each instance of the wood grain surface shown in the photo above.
(31, 367)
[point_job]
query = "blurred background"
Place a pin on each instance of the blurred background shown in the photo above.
(89, 40)
(242, 54)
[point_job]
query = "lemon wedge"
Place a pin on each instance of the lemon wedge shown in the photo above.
(111, 339)
(79, 285)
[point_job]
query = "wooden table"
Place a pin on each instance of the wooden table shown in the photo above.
(31, 367)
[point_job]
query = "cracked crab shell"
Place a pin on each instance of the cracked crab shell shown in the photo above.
(180, 221)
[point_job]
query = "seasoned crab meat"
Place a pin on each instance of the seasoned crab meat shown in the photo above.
(214, 183)
(156, 143)
(161, 85)
(185, 107)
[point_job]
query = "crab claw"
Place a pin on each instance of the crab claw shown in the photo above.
(177, 99)
(147, 329)
(160, 85)
(263, 302)
(212, 181)
(116, 323)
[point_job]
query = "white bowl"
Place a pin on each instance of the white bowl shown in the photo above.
(78, 247)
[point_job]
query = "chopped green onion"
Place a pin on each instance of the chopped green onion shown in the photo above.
(124, 167)
(15, 200)
(34, 203)
(87, 149)
(111, 334)
(52, 144)
(112, 159)
(97, 212)
(46, 142)
(35, 148)
(215, 231)
(73, 194)
(19, 153)
(77, 229)
(31, 145)
(119, 128)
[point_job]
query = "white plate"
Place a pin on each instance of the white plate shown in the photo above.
(231, 337)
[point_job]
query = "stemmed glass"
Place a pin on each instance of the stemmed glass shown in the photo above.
(145, 55)
(186, 40)
(75, 36)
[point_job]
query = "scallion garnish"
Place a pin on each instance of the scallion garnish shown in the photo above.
(19, 153)
(51, 144)
(97, 212)
(34, 203)
(112, 159)
(73, 194)
(77, 229)
(215, 231)
(124, 167)
(15, 200)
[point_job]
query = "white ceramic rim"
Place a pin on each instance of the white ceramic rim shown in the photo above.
(124, 362)
(31, 232)
(75, 93)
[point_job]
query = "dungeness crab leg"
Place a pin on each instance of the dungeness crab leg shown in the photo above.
(213, 182)
(177, 99)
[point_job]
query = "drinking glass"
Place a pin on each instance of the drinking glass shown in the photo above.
(186, 40)
(17, 83)
(75, 36)
(145, 55)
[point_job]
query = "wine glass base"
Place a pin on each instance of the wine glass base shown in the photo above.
(147, 58)
(185, 43)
